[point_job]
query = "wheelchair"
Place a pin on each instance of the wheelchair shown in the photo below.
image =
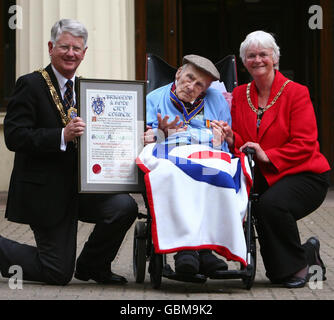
(158, 74)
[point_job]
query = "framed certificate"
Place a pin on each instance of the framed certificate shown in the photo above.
(114, 113)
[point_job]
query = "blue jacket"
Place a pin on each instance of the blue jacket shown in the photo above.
(215, 108)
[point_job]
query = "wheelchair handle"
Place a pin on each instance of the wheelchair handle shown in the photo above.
(249, 150)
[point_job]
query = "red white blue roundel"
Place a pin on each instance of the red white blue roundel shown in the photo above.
(199, 172)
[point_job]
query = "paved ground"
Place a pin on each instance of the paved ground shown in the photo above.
(320, 223)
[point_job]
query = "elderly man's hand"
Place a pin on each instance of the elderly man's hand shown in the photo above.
(168, 128)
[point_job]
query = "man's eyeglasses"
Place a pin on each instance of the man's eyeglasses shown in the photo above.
(65, 48)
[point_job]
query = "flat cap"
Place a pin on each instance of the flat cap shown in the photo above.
(202, 63)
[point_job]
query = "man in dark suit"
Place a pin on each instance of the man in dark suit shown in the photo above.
(41, 127)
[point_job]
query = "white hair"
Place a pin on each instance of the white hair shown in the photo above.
(74, 27)
(261, 39)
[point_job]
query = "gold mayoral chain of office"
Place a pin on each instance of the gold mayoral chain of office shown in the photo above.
(66, 118)
(260, 111)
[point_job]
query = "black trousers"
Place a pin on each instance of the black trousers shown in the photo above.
(53, 259)
(277, 212)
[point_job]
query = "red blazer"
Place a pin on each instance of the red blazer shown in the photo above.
(288, 132)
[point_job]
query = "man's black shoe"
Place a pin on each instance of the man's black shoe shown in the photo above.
(186, 262)
(210, 265)
(103, 277)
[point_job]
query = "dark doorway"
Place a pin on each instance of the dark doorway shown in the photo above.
(215, 28)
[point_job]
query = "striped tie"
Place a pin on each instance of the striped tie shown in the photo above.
(68, 96)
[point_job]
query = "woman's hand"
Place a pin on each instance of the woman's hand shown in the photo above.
(229, 136)
(260, 154)
(218, 133)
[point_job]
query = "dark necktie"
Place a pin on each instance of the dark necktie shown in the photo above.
(68, 96)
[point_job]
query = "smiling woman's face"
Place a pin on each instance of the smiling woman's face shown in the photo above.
(259, 61)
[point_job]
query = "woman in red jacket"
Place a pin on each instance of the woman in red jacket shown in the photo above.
(275, 116)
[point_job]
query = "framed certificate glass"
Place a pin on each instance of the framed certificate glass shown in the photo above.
(114, 113)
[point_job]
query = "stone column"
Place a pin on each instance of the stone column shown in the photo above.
(111, 39)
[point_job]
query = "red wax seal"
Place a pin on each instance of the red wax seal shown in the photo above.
(97, 168)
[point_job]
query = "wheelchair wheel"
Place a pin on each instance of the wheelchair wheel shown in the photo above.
(139, 252)
(155, 269)
(249, 280)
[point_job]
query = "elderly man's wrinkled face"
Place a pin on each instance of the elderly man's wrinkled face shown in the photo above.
(191, 82)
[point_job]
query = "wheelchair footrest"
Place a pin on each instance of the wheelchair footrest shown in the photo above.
(167, 272)
(229, 274)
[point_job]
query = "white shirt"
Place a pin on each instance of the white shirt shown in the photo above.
(62, 86)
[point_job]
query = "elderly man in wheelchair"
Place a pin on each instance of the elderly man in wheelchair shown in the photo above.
(190, 173)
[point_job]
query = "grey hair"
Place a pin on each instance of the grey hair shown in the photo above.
(185, 66)
(263, 40)
(74, 27)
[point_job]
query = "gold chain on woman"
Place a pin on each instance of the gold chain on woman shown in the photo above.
(259, 111)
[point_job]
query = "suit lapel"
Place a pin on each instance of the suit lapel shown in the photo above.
(56, 86)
